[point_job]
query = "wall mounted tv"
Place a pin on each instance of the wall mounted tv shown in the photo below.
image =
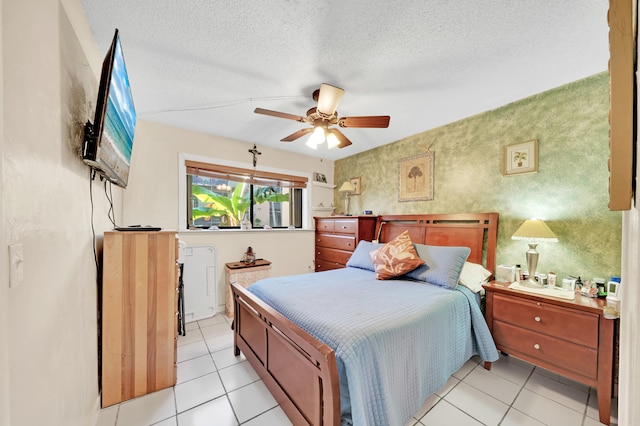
(108, 142)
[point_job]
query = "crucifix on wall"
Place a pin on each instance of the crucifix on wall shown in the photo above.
(255, 153)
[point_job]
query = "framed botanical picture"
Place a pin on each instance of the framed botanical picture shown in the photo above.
(415, 178)
(357, 184)
(520, 158)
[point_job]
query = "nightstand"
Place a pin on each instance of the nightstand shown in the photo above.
(569, 337)
(244, 275)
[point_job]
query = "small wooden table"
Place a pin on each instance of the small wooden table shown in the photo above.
(243, 274)
(569, 337)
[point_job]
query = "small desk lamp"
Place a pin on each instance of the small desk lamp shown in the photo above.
(347, 188)
(533, 231)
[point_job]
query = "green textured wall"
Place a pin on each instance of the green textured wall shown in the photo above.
(569, 191)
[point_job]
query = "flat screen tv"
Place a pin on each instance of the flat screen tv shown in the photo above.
(109, 140)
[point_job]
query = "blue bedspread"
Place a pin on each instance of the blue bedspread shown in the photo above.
(396, 342)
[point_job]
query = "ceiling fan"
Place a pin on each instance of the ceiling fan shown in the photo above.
(325, 115)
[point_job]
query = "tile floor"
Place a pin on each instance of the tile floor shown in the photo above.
(216, 388)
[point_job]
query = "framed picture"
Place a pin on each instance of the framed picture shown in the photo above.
(357, 183)
(415, 178)
(319, 177)
(520, 158)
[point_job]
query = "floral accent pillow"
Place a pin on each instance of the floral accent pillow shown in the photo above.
(395, 258)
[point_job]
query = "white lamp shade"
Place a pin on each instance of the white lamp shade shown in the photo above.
(329, 98)
(347, 187)
(535, 231)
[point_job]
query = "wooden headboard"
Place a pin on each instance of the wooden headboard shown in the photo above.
(478, 231)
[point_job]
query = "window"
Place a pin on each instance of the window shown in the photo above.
(225, 196)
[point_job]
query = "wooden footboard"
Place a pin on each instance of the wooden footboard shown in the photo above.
(300, 371)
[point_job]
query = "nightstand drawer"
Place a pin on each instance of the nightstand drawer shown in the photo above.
(332, 255)
(535, 347)
(336, 241)
(570, 325)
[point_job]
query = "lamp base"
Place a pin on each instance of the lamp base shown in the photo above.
(531, 282)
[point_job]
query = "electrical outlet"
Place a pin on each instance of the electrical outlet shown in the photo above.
(16, 265)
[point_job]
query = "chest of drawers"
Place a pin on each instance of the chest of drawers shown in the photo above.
(337, 238)
(569, 337)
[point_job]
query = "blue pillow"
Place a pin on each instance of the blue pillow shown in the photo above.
(360, 257)
(442, 264)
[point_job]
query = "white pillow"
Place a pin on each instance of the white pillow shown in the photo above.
(473, 276)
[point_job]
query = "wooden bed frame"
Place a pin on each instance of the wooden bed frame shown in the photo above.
(300, 371)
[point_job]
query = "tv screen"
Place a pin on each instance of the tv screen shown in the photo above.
(109, 144)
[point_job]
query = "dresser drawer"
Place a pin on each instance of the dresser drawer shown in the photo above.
(332, 255)
(548, 319)
(536, 347)
(326, 265)
(345, 226)
(340, 242)
(325, 225)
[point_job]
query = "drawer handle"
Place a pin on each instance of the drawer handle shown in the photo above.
(537, 319)
(536, 346)
(344, 227)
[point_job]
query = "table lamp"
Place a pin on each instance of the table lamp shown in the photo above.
(347, 188)
(533, 231)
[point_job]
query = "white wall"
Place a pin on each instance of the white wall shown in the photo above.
(5, 407)
(49, 90)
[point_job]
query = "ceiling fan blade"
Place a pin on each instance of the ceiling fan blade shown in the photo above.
(374, 121)
(344, 142)
(279, 114)
(296, 135)
(329, 98)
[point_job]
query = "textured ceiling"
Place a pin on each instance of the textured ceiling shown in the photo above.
(206, 65)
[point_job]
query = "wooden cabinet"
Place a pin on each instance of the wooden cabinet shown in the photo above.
(569, 337)
(337, 238)
(244, 275)
(139, 313)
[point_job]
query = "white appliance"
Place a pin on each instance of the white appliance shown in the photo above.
(199, 277)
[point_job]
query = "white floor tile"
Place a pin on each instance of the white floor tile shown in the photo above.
(172, 421)
(216, 330)
(220, 342)
(558, 378)
(477, 404)
(217, 412)
(570, 394)
(190, 337)
(107, 416)
(451, 383)
(546, 410)
(516, 418)
(466, 368)
(446, 414)
(192, 350)
(195, 367)
(512, 369)
(216, 319)
(191, 326)
(147, 409)
(427, 405)
(273, 417)
(226, 358)
(493, 385)
(251, 400)
(238, 375)
(198, 391)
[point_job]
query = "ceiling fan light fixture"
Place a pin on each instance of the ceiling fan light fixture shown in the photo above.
(329, 98)
(332, 141)
(316, 138)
